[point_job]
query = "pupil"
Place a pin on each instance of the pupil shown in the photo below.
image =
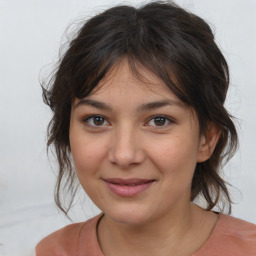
(159, 121)
(98, 120)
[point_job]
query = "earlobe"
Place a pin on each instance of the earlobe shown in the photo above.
(208, 142)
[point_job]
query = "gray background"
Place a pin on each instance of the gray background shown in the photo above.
(30, 35)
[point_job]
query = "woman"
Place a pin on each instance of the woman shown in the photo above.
(138, 103)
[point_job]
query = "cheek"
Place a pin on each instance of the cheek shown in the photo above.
(86, 153)
(176, 159)
(178, 150)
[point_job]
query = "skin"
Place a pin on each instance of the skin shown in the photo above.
(127, 141)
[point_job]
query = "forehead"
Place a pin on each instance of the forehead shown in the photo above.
(121, 90)
(122, 81)
(128, 93)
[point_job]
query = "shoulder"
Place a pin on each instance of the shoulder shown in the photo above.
(230, 236)
(60, 243)
(237, 227)
(65, 241)
(236, 235)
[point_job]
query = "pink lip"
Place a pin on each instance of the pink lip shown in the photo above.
(128, 187)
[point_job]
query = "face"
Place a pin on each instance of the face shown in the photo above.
(135, 147)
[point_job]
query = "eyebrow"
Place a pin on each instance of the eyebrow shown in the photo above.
(93, 103)
(159, 104)
(144, 107)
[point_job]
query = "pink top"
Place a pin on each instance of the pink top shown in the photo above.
(230, 237)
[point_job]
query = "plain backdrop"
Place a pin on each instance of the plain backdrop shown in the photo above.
(31, 32)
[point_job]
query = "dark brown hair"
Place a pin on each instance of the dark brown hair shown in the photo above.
(174, 44)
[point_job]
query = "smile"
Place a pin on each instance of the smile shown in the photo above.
(128, 187)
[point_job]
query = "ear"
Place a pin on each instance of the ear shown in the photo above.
(207, 142)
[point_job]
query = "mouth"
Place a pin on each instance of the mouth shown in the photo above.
(128, 187)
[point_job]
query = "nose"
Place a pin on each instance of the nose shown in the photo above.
(126, 148)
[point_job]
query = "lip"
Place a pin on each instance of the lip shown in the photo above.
(128, 187)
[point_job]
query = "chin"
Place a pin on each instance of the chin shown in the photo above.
(129, 215)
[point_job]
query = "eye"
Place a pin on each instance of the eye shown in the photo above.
(160, 121)
(95, 121)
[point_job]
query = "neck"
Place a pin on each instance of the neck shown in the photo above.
(169, 232)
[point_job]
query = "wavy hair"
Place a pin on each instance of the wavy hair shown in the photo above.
(174, 44)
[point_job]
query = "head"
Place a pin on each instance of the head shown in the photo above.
(171, 44)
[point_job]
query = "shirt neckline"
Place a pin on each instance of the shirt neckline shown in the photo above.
(94, 246)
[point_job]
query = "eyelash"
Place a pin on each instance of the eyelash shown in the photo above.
(86, 120)
(152, 118)
(166, 119)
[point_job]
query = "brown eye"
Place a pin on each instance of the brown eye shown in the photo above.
(159, 121)
(98, 120)
(95, 121)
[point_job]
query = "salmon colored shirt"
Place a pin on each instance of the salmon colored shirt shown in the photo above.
(230, 237)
